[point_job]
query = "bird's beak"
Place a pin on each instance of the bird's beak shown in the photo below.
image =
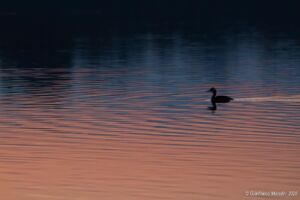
(208, 91)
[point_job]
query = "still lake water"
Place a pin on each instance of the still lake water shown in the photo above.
(124, 114)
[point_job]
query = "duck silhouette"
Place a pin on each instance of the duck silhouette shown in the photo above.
(218, 99)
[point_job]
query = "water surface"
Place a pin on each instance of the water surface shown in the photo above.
(122, 114)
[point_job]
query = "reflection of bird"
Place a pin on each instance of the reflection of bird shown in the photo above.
(218, 99)
(213, 107)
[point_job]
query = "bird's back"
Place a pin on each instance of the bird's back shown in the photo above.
(222, 99)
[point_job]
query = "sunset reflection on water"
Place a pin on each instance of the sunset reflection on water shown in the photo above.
(134, 124)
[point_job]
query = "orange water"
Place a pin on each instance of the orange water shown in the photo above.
(142, 130)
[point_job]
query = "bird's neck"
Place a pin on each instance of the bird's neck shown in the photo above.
(214, 94)
(213, 97)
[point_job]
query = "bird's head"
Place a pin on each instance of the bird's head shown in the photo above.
(212, 90)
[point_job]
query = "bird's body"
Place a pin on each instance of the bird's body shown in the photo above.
(219, 99)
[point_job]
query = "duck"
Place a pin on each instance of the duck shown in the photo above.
(219, 99)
